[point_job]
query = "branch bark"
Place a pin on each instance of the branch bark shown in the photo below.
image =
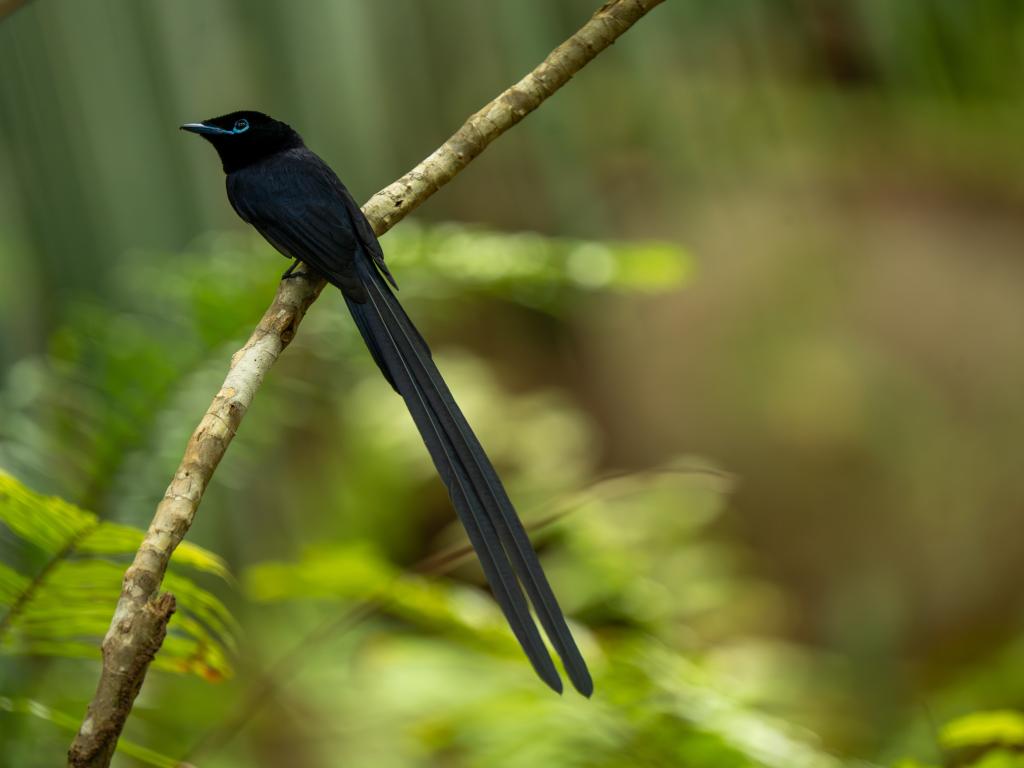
(140, 619)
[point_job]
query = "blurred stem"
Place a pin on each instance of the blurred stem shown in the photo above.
(140, 619)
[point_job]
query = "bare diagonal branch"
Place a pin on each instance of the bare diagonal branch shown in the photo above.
(140, 619)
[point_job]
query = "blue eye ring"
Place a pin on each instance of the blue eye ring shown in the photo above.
(241, 126)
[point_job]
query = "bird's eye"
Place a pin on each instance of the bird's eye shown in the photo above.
(241, 125)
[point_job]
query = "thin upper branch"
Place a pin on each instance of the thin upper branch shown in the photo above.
(140, 619)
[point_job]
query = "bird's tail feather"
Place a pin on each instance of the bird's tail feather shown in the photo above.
(480, 500)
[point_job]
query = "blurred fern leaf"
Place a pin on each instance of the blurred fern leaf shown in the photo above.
(63, 608)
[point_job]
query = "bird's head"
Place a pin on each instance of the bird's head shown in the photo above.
(245, 137)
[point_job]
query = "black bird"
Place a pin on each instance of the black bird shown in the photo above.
(299, 205)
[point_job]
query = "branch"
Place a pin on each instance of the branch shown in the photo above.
(140, 619)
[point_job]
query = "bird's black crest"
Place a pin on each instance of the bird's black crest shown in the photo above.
(245, 137)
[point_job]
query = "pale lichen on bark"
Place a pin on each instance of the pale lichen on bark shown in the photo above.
(140, 619)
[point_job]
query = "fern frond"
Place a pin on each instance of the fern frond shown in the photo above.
(70, 723)
(64, 608)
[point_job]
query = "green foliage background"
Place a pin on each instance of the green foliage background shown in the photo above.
(737, 314)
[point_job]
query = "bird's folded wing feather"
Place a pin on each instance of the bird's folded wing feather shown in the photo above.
(305, 215)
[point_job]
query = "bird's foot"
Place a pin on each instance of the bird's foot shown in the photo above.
(290, 272)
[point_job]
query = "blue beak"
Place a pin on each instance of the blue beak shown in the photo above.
(204, 130)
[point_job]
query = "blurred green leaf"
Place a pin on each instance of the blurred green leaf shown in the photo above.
(356, 574)
(12, 584)
(536, 270)
(653, 267)
(979, 729)
(64, 609)
(71, 724)
(999, 758)
(49, 523)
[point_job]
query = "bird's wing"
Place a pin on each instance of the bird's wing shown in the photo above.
(368, 237)
(302, 209)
